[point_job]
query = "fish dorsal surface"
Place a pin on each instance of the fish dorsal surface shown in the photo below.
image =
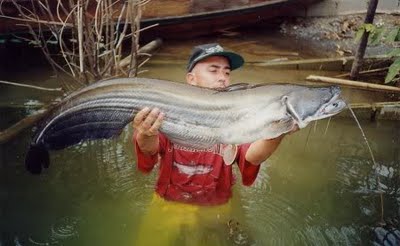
(235, 87)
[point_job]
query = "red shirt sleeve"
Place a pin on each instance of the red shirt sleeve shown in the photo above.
(146, 163)
(249, 171)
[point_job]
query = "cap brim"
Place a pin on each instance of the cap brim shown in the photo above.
(235, 60)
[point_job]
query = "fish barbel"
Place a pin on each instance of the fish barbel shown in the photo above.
(195, 117)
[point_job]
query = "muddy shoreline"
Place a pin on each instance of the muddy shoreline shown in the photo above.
(335, 36)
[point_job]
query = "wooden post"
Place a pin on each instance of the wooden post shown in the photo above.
(369, 18)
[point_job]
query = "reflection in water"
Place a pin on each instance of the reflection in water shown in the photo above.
(325, 194)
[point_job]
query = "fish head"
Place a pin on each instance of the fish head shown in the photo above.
(309, 104)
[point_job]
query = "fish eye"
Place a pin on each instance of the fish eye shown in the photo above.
(335, 104)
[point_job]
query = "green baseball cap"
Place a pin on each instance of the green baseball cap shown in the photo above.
(206, 50)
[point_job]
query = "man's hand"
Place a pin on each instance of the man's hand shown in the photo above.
(147, 122)
(146, 125)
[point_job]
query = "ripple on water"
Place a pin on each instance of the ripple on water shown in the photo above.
(287, 226)
(106, 167)
(61, 232)
(275, 220)
(124, 179)
(65, 228)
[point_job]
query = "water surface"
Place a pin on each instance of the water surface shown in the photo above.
(319, 188)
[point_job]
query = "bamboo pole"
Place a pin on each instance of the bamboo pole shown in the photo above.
(135, 15)
(80, 38)
(374, 105)
(30, 86)
(147, 49)
(351, 83)
(20, 106)
(21, 125)
(372, 71)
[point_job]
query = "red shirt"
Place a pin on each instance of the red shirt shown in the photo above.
(195, 176)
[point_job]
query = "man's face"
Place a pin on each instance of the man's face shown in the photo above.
(211, 72)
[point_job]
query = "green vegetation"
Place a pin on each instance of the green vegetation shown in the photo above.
(386, 35)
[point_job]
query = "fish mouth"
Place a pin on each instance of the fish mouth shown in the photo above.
(335, 105)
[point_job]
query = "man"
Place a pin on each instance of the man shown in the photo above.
(191, 176)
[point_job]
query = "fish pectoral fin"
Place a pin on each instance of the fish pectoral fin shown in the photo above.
(229, 153)
(290, 109)
(282, 126)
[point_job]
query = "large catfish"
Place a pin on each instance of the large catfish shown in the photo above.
(195, 117)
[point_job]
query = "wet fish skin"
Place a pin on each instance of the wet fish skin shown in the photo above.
(195, 117)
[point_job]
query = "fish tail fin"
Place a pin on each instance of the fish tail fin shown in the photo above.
(37, 158)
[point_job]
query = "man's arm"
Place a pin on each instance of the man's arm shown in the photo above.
(146, 124)
(261, 150)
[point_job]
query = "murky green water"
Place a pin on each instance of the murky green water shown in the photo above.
(319, 188)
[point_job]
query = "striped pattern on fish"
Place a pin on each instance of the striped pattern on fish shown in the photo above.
(195, 117)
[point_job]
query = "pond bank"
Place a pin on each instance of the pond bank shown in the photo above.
(263, 47)
(335, 36)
